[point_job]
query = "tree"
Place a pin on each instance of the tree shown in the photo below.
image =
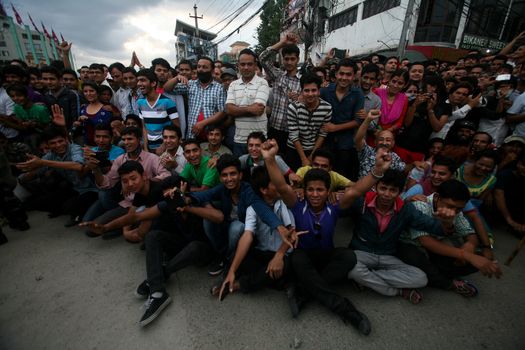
(268, 32)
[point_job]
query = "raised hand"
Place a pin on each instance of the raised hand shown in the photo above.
(58, 117)
(383, 159)
(31, 164)
(269, 149)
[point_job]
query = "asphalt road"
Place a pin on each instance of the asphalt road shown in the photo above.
(62, 290)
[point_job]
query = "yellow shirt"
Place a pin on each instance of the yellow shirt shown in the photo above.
(337, 180)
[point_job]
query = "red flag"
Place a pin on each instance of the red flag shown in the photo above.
(62, 37)
(33, 22)
(55, 38)
(17, 16)
(45, 30)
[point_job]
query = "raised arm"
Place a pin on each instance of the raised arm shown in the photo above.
(269, 150)
(360, 135)
(383, 161)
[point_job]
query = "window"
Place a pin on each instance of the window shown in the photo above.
(373, 7)
(486, 17)
(35, 37)
(342, 19)
(438, 21)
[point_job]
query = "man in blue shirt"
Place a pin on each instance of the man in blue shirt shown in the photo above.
(317, 263)
(346, 101)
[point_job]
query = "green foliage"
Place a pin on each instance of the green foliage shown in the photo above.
(268, 32)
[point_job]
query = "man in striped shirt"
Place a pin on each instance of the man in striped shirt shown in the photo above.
(246, 102)
(156, 110)
(305, 120)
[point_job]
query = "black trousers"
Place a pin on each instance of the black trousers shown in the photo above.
(347, 163)
(316, 270)
(440, 270)
(281, 137)
(252, 274)
(177, 250)
(293, 159)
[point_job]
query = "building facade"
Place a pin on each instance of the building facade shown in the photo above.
(439, 29)
(20, 42)
(190, 46)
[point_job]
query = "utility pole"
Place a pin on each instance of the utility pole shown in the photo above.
(404, 31)
(196, 20)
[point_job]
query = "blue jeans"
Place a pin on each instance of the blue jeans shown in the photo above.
(224, 237)
(107, 200)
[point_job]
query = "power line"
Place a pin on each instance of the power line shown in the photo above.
(242, 8)
(223, 11)
(243, 24)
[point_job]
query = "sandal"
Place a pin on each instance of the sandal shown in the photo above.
(412, 295)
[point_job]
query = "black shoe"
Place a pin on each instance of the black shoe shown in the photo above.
(3, 238)
(154, 307)
(112, 235)
(73, 221)
(143, 290)
(216, 267)
(359, 321)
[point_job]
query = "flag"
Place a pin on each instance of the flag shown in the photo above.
(62, 37)
(17, 16)
(33, 22)
(2, 10)
(45, 30)
(55, 38)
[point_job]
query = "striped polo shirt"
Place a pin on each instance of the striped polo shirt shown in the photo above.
(244, 94)
(305, 126)
(156, 117)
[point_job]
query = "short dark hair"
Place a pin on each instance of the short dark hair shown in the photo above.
(259, 179)
(132, 130)
(35, 71)
(69, 71)
(52, 132)
(105, 127)
(290, 49)
(129, 70)
(500, 57)
(15, 70)
(102, 88)
(171, 127)
(228, 160)
(148, 74)
(319, 69)
(184, 61)
(317, 175)
(96, 66)
(190, 142)
(445, 161)
(135, 118)
(484, 133)
(324, 153)
(370, 68)
(401, 73)
(119, 66)
(394, 178)
(250, 53)
(346, 62)
(170, 182)
(207, 59)
(453, 189)
(416, 64)
(488, 153)
(160, 62)
(256, 135)
(213, 127)
(459, 86)
(18, 89)
(50, 70)
(310, 78)
(129, 167)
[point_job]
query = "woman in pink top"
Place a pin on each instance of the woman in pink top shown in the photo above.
(394, 102)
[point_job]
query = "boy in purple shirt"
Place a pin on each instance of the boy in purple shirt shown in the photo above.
(316, 262)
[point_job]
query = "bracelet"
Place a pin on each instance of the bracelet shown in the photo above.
(375, 176)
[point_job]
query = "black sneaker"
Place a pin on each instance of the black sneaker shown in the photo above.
(143, 290)
(154, 307)
(359, 321)
(73, 221)
(216, 267)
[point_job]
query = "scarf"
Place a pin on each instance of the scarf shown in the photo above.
(389, 114)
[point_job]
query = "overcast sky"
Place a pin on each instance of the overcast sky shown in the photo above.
(106, 31)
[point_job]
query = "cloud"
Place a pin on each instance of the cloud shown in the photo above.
(108, 31)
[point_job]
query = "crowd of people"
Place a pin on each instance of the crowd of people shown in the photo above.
(245, 168)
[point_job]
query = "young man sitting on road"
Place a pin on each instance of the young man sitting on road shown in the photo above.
(445, 259)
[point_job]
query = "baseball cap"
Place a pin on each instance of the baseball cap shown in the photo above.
(229, 71)
(514, 138)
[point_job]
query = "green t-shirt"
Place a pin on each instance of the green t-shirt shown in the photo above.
(204, 176)
(37, 113)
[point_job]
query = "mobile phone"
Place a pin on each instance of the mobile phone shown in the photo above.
(103, 158)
